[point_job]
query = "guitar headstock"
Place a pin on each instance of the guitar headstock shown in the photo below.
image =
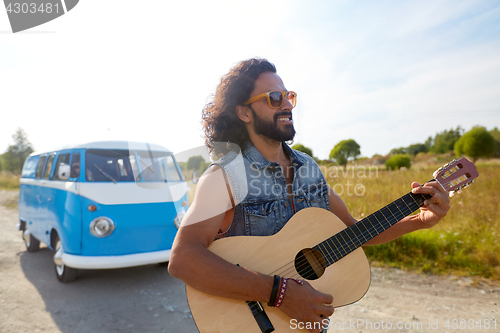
(456, 175)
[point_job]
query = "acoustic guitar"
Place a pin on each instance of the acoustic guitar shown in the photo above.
(335, 265)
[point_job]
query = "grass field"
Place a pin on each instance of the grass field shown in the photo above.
(465, 242)
(8, 181)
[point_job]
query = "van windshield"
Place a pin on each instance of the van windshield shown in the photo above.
(110, 165)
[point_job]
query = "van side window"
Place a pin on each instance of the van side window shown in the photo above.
(48, 166)
(29, 167)
(108, 165)
(61, 159)
(75, 166)
(39, 167)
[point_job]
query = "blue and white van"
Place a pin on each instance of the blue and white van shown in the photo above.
(102, 205)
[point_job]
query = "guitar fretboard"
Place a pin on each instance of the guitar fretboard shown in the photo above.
(349, 239)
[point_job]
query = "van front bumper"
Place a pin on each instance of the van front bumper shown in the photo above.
(108, 262)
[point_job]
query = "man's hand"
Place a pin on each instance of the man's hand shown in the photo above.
(434, 208)
(306, 304)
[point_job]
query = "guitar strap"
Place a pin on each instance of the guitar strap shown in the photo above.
(228, 185)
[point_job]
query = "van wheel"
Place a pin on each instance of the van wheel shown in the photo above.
(64, 273)
(32, 244)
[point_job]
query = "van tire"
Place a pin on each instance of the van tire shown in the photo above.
(32, 244)
(64, 273)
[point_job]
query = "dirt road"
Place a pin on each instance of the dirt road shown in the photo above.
(147, 299)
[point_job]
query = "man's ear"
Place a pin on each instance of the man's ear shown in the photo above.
(243, 112)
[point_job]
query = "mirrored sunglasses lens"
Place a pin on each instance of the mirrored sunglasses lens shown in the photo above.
(292, 97)
(275, 99)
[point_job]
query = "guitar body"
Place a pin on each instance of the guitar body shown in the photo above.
(347, 280)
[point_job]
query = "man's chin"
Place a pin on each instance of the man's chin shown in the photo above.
(290, 132)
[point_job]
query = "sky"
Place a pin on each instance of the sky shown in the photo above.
(384, 73)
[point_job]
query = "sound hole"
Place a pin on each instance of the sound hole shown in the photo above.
(310, 264)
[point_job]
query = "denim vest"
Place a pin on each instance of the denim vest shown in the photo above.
(262, 203)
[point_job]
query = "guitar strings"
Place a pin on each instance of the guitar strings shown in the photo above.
(339, 255)
(352, 244)
(348, 244)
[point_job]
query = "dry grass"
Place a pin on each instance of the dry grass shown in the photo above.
(9, 181)
(464, 242)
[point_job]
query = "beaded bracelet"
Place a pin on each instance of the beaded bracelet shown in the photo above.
(283, 289)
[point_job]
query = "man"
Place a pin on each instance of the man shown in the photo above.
(253, 109)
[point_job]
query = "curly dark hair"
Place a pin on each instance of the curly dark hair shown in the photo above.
(219, 119)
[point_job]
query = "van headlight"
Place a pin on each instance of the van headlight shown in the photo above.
(178, 218)
(102, 226)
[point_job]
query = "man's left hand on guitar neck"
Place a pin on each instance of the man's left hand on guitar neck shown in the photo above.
(436, 207)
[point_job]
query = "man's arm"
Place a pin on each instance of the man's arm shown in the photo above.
(192, 262)
(430, 214)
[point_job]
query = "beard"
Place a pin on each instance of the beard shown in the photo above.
(271, 130)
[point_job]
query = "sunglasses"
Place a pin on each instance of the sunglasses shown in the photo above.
(275, 98)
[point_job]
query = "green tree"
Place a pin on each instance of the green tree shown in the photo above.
(194, 162)
(444, 141)
(197, 165)
(345, 150)
(413, 149)
(496, 135)
(13, 159)
(401, 150)
(398, 161)
(302, 148)
(416, 148)
(476, 143)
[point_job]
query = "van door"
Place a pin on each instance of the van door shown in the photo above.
(34, 224)
(46, 195)
(73, 219)
(64, 208)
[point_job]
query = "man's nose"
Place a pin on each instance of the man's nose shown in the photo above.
(287, 105)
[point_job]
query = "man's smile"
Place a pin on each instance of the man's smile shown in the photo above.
(285, 119)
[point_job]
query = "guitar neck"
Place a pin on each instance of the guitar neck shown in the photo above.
(349, 239)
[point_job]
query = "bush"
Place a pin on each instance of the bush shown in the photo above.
(302, 148)
(476, 143)
(398, 161)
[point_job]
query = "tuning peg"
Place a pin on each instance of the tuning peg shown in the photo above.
(468, 184)
(451, 194)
